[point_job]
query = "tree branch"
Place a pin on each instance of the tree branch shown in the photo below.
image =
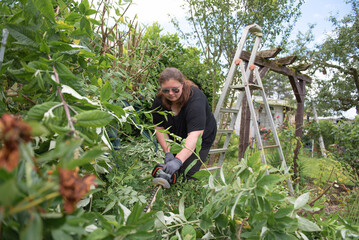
(66, 106)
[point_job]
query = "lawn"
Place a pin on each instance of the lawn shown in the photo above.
(324, 170)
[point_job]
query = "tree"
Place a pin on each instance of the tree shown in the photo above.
(187, 59)
(337, 58)
(217, 25)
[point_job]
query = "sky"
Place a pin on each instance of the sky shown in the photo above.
(313, 12)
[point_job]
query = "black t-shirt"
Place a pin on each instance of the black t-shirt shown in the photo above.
(194, 116)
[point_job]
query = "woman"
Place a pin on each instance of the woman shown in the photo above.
(192, 117)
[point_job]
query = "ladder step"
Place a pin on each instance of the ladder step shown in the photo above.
(217, 150)
(225, 130)
(251, 86)
(270, 146)
(229, 110)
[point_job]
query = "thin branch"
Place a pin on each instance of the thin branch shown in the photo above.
(326, 190)
(66, 106)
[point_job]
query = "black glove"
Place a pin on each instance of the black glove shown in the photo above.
(172, 166)
(168, 157)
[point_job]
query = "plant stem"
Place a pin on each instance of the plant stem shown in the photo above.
(41, 190)
(66, 106)
(181, 224)
(326, 190)
(33, 203)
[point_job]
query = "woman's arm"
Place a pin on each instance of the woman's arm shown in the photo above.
(190, 145)
(161, 138)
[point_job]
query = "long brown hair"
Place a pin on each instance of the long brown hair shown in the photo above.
(175, 74)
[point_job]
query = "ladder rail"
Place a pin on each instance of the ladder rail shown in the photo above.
(252, 111)
(274, 131)
(231, 126)
(220, 110)
(229, 78)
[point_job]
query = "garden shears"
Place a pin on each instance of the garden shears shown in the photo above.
(161, 179)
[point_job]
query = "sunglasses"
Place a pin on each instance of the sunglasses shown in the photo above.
(167, 90)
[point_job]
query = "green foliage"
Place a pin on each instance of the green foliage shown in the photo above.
(187, 59)
(346, 136)
(312, 131)
(86, 97)
(336, 89)
(244, 203)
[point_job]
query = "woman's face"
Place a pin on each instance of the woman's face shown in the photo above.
(172, 89)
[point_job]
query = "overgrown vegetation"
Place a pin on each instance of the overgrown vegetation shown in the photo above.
(77, 142)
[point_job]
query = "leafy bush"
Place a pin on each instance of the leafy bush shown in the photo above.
(80, 172)
(346, 138)
(312, 131)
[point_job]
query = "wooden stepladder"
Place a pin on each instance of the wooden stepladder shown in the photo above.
(226, 117)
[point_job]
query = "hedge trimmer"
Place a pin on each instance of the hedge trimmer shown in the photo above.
(161, 179)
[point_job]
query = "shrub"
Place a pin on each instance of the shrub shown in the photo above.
(346, 138)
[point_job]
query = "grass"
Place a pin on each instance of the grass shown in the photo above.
(324, 170)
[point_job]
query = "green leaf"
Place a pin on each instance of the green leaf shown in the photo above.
(273, 196)
(33, 230)
(190, 166)
(94, 118)
(72, 18)
(68, 78)
(44, 47)
(199, 144)
(181, 208)
(205, 222)
(24, 35)
(58, 129)
(109, 206)
(90, 12)
(40, 80)
(106, 91)
(135, 214)
(301, 200)
(269, 180)
(188, 232)
(98, 234)
(235, 204)
(307, 225)
(221, 221)
(12, 193)
(63, 150)
(118, 111)
(201, 174)
(89, 155)
(142, 235)
(37, 129)
(46, 8)
(37, 112)
(283, 212)
(84, 5)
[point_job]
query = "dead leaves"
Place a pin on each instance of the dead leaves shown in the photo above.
(12, 132)
(73, 187)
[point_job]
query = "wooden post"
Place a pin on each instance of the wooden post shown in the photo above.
(244, 130)
(298, 128)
